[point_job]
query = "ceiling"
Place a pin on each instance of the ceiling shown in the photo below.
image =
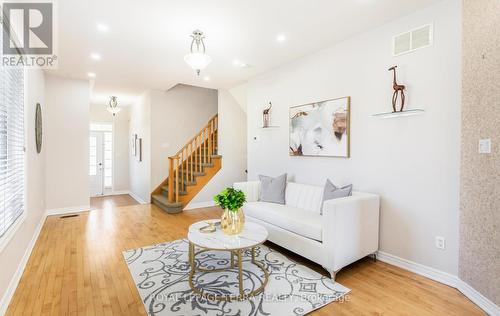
(147, 40)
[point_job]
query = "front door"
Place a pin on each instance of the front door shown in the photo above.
(95, 164)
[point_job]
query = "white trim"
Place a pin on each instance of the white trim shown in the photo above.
(476, 297)
(66, 210)
(428, 272)
(442, 277)
(137, 198)
(192, 206)
(14, 281)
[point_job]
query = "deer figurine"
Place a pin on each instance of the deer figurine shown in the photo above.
(265, 115)
(398, 89)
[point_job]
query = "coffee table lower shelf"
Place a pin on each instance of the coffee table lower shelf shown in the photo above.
(238, 253)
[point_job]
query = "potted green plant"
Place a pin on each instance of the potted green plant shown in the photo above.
(231, 201)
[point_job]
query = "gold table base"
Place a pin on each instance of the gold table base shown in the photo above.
(238, 253)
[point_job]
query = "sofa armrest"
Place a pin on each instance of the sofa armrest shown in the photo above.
(350, 229)
(250, 188)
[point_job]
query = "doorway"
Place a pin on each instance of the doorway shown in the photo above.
(101, 159)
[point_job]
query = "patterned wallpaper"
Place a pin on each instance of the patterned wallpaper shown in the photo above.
(479, 262)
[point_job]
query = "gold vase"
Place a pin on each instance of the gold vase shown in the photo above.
(232, 222)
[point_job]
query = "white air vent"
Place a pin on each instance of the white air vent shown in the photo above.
(412, 40)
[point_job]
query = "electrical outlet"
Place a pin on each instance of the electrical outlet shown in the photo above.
(440, 243)
(485, 146)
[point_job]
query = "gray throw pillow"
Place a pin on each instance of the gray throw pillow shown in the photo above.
(333, 192)
(272, 189)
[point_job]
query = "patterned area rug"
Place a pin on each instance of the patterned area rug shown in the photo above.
(161, 276)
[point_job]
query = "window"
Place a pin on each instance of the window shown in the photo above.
(101, 158)
(108, 160)
(11, 149)
(93, 156)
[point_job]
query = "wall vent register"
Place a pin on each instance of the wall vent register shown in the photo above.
(412, 40)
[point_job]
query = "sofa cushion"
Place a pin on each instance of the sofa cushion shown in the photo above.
(333, 192)
(272, 189)
(304, 196)
(299, 221)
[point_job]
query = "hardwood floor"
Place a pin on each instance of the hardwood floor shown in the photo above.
(77, 268)
(103, 202)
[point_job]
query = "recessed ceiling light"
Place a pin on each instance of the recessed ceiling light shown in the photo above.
(102, 27)
(280, 38)
(91, 75)
(206, 78)
(95, 56)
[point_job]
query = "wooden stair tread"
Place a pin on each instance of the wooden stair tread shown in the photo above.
(190, 169)
(165, 189)
(161, 201)
(195, 173)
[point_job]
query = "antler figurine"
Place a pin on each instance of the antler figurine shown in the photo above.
(398, 89)
(265, 115)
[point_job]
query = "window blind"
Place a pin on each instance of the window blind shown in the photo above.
(11, 146)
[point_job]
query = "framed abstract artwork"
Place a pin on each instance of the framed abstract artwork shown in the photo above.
(321, 128)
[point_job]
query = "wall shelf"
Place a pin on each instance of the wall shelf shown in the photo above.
(410, 112)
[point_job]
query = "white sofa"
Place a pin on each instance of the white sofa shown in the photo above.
(345, 231)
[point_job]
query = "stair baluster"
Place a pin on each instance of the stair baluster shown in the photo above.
(190, 159)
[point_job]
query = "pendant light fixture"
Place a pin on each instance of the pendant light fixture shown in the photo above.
(113, 106)
(197, 59)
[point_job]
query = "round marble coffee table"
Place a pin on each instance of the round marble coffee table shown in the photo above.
(252, 235)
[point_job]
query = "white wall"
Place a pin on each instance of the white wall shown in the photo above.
(232, 147)
(67, 133)
(13, 256)
(240, 95)
(176, 116)
(140, 172)
(121, 141)
(412, 162)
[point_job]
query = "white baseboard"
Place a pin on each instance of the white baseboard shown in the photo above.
(192, 206)
(428, 272)
(136, 197)
(486, 305)
(442, 277)
(14, 281)
(67, 210)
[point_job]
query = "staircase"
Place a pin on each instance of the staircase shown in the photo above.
(189, 170)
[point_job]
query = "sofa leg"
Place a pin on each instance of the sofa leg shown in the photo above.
(333, 274)
(374, 257)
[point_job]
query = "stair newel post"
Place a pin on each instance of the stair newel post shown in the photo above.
(212, 134)
(203, 151)
(196, 142)
(209, 143)
(170, 179)
(193, 144)
(177, 179)
(216, 134)
(181, 159)
(186, 151)
(190, 158)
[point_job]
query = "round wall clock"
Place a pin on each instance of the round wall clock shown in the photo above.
(38, 128)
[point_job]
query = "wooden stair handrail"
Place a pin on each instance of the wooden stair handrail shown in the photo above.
(189, 158)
